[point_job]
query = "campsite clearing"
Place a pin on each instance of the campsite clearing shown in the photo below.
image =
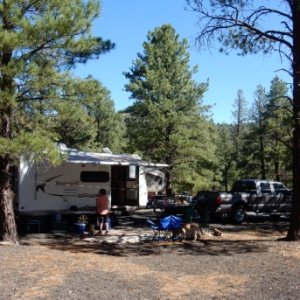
(244, 262)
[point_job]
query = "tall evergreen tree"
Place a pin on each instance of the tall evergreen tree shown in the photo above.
(166, 121)
(70, 120)
(240, 116)
(39, 42)
(256, 141)
(108, 124)
(267, 142)
(226, 150)
(88, 120)
(279, 128)
(240, 25)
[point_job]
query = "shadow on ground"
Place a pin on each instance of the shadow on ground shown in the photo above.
(184, 248)
(148, 248)
(255, 228)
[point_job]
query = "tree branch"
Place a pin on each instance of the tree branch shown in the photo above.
(243, 32)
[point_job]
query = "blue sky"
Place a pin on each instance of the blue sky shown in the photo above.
(127, 23)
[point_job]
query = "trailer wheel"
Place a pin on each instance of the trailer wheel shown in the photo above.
(83, 219)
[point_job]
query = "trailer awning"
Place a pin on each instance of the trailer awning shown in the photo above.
(82, 157)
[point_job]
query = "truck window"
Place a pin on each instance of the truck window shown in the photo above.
(90, 176)
(243, 186)
(265, 187)
(279, 187)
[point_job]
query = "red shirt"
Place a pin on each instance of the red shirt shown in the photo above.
(102, 205)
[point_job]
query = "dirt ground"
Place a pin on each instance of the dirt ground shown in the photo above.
(245, 262)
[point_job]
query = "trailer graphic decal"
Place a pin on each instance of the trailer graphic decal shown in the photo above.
(49, 182)
(41, 186)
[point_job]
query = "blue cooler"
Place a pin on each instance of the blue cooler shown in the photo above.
(79, 228)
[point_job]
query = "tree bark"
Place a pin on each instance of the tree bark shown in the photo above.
(294, 228)
(168, 183)
(276, 170)
(226, 177)
(8, 229)
(262, 157)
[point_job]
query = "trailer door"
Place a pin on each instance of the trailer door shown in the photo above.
(124, 186)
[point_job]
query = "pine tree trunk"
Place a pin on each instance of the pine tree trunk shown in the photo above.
(294, 229)
(168, 183)
(276, 170)
(226, 177)
(262, 158)
(8, 229)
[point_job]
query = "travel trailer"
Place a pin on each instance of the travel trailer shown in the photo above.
(73, 185)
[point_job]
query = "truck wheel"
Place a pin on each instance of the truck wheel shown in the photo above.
(274, 218)
(238, 214)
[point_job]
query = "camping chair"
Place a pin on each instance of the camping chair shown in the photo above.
(168, 226)
(157, 229)
(188, 213)
(174, 225)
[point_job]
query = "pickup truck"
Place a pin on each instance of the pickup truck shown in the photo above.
(247, 195)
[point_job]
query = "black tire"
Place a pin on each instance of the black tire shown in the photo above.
(238, 214)
(275, 218)
(215, 217)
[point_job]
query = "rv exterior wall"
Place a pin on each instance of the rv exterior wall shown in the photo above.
(44, 189)
(60, 188)
(143, 189)
(26, 183)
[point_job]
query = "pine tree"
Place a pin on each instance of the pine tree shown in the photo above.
(256, 139)
(40, 41)
(89, 120)
(240, 25)
(279, 128)
(108, 124)
(240, 117)
(226, 149)
(166, 122)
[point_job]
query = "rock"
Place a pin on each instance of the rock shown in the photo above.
(216, 232)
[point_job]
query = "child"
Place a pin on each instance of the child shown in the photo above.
(102, 204)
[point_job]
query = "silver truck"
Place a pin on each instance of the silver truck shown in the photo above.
(247, 195)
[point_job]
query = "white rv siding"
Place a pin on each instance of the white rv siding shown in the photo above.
(58, 188)
(143, 189)
(26, 183)
(44, 189)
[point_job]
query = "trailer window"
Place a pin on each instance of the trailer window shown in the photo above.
(88, 176)
(132, 172)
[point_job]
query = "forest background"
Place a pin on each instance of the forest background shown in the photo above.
(168, 121)
(179, 128)
(227, 155)
(253, 143)
(43, 103)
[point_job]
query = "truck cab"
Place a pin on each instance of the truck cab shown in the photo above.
(247, 195)
(259, 196)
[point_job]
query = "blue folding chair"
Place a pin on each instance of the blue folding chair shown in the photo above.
(174, 226)
(157, 229)
(166, 227)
